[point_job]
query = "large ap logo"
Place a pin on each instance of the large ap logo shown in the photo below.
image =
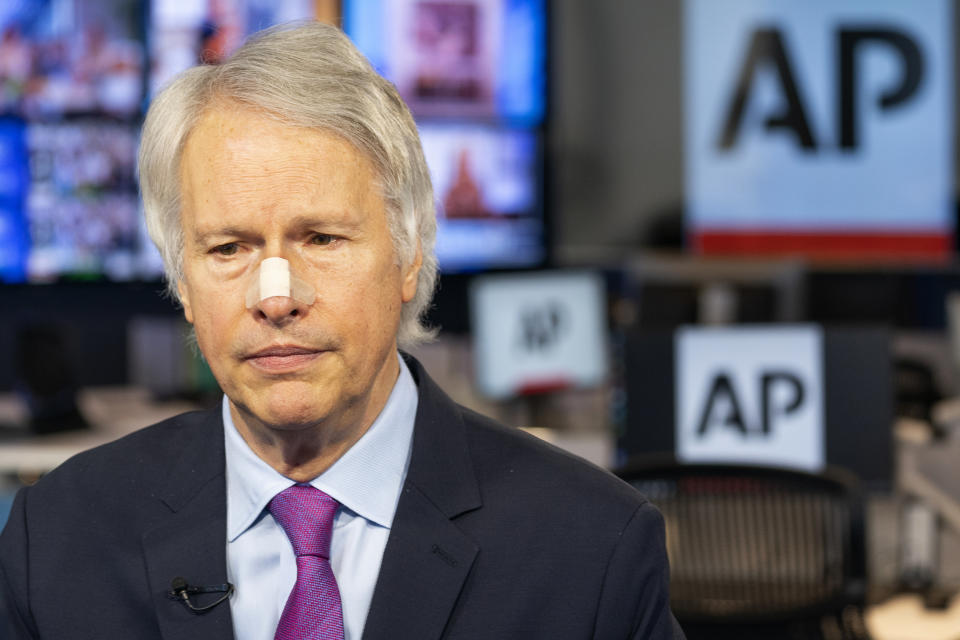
(751, 395)
(818, 116)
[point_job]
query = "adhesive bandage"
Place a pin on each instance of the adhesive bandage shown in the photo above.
(273, 278)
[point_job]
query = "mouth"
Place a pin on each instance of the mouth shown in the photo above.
(283, 358)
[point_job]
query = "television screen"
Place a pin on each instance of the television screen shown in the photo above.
(486, 183)
(457, 58)
(71, 93)
(82, 204)
(63, 58)
(74, 79)
(184, 33)
(76, 75)
(474, 75)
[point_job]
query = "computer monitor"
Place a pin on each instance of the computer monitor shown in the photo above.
(857, 399)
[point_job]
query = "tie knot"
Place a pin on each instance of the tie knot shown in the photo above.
(306, 515)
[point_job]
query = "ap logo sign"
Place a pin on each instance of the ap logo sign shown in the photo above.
(750, 395)
(538, 331)
(820, 117)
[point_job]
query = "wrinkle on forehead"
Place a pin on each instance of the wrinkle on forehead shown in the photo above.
(223, 117)
(228, 167)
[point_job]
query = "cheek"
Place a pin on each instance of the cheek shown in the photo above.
(370, 312)
(210, 327)
(205, 340)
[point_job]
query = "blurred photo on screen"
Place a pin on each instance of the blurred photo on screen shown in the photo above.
(486, 183)
(474, 75)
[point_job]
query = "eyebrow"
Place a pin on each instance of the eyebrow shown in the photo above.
(202, 237)
(336, 220)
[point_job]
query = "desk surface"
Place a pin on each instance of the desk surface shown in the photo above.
(903, 617)
(113, 412)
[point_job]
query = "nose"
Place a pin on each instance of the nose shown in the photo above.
(280, 311)
(277, 296)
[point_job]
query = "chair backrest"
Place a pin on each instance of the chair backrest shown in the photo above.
(751, 544)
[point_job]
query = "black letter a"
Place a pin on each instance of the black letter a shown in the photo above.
(768, 44)
(722, 386)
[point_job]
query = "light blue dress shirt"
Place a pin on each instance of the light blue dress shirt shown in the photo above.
(366, 481)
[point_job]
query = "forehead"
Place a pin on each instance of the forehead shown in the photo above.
(238, 160)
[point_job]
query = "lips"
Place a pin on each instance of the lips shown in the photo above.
(283, 358)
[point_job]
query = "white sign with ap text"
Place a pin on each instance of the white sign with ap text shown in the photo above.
(751, 395)
(819, 116)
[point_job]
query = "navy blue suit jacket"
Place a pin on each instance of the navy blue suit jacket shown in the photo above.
(496, 535)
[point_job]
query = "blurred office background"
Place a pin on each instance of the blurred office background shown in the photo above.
(704, 234)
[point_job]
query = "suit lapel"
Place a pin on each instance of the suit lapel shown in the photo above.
(427, 558)
(190, 542)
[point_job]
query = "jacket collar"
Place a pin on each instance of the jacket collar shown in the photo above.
(440, 462)
(427, 558)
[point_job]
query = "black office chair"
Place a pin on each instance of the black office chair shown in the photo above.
(760, 553)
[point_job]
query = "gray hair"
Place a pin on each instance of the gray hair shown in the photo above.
(305, 74)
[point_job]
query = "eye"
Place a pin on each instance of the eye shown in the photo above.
(226, 250)
(321, 239)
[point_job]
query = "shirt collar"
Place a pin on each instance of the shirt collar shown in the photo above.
(367, 479)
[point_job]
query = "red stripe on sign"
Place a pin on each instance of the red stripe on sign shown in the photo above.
(824, 245)
(543, 385)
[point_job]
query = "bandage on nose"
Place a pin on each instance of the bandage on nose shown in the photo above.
(272, 279)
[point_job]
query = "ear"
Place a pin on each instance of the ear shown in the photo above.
(410, 275)
(185, 301)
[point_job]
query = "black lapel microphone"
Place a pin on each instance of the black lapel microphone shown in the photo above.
(180, 590)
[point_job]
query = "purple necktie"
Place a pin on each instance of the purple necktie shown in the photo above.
(313, 609)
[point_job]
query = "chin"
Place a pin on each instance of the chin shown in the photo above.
(291, 417)
(292, 395)
(286, 407)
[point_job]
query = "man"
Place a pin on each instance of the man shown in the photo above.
(337, 492)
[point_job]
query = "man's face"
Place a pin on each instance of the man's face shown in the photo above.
(252, 189)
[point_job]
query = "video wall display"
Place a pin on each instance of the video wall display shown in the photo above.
(71, 58)
(82, 208)
(77, 75)
(474, 74)
(184, 33)
(71, 94)
(75, 78)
